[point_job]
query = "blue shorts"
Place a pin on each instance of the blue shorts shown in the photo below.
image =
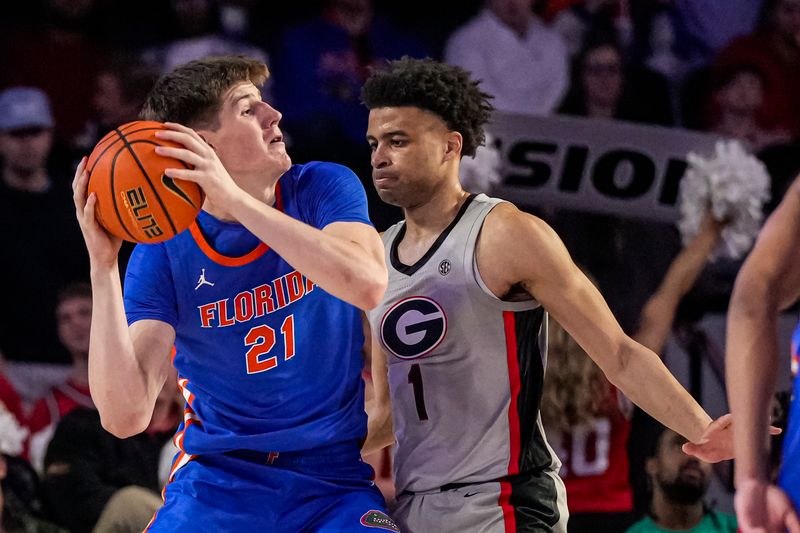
(324, 490)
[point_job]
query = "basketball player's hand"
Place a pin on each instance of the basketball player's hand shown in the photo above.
(205, 168)
(764, 508)
(102, 246)
(716, 442)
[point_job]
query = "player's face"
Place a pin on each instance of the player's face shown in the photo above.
(409, 154)
(248, 140)
(74, 317)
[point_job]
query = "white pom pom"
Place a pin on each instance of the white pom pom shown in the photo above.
(482, 172)
(734, 186)
(12, 435)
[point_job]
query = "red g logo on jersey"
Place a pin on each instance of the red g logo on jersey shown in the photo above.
(413, 327)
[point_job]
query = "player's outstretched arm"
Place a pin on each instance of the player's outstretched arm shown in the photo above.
(380, 432)
(768, 282)
(344, 258)
(516, 248)
(124, 386)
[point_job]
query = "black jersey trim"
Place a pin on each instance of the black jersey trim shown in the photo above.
(410, 270)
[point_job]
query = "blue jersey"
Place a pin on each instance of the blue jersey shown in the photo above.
(790, 468)
(266, 359)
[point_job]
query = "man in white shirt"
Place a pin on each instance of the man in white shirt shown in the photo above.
(522, 62)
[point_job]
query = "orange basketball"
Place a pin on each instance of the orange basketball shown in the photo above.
(135, 200)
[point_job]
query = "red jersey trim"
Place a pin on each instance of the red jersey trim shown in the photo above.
(514, 386)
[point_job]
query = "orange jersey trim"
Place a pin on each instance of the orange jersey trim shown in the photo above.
(228, 261)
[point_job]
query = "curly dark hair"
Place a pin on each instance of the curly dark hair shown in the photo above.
(445, 90)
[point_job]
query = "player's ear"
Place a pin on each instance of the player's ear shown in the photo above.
(453, 145)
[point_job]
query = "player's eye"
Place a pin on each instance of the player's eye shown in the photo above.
(247, 111)
(398, 142)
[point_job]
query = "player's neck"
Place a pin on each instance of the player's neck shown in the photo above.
(433, 216)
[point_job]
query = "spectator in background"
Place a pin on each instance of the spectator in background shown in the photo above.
(40, 231)
(199, 34)
(604, 87)
(736, 106)
(774, 51)
(592, 16)
(589, 421)
(521, 62)
(17, 482)
(678, 483)
(59, 56)
(97, 482)
(704, 27)
(74, 319)
(118, 92)
(320, 67)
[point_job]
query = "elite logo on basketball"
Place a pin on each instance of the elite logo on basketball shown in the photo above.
(413, 327)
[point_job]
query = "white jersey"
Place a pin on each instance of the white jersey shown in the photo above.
(465, 368)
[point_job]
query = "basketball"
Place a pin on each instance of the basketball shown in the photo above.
(135, 200)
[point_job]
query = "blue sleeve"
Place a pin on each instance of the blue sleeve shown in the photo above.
(327, 192)
(149, 289)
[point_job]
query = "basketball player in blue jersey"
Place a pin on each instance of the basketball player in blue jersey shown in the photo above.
(260, 298)
(768, 282)
(462, 326)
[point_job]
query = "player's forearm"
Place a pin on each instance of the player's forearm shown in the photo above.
(380, 432)
(338, 265)
(644, 379)
(751, 366)
(117, 382)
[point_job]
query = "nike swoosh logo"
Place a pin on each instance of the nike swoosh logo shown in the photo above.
(468, 494)
(170, 184)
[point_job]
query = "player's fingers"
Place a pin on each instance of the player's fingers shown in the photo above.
(78, 171)
(186, 136)
(79, 190)
(187, 156)
(187, 174)
(791, 522)
(89, 210)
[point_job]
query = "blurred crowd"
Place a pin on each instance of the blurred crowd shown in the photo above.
(71, 70)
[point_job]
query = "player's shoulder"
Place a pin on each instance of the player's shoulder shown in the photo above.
(314, 170)
(506, 222)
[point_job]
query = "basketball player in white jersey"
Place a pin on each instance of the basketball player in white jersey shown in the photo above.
(463, 324)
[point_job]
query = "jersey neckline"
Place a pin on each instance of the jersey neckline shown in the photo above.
(228, 261)
(410, 270)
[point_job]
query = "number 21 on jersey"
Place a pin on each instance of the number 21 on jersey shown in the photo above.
(261, 340)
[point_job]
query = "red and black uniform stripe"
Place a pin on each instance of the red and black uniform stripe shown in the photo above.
(528, 494)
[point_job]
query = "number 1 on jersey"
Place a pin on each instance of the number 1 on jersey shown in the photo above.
(415, 378)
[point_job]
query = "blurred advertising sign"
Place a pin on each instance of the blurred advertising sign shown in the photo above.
(603, 166)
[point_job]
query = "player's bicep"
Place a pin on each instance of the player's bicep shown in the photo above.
(537, 259)
(153, 341)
